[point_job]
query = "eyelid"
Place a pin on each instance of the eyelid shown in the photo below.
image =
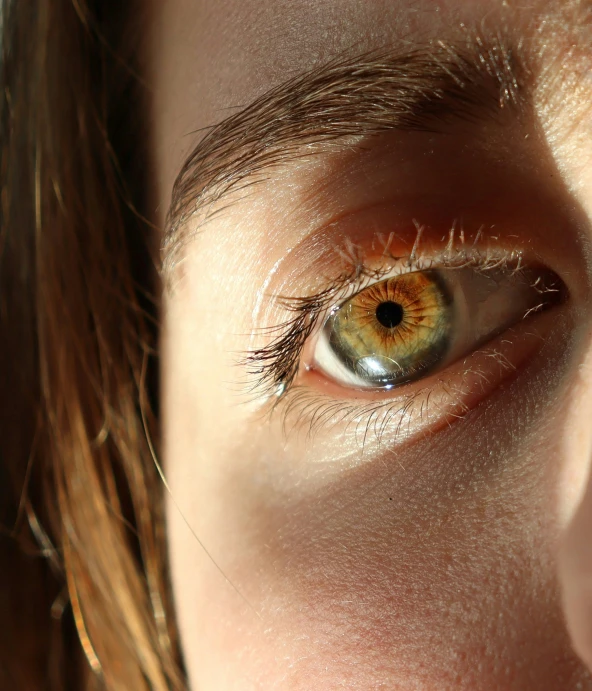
(520, 215)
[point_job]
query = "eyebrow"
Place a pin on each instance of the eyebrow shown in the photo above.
(420, 90)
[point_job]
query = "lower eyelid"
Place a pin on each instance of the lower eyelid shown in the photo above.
(425, 406)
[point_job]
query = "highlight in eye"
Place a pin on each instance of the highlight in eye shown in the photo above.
(390, 332)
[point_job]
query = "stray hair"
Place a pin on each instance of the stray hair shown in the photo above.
(85, 597)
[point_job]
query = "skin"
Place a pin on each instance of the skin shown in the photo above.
(448, 557)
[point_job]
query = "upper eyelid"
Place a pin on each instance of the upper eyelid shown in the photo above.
(364, 94)
(361, 275)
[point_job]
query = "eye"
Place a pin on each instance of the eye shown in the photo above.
(401, 328)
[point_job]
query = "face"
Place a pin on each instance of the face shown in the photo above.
(377, 350)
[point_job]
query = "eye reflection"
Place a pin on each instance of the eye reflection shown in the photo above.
(394, 330)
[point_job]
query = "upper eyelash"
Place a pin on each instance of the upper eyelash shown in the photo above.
(271, 369)
(274, 367)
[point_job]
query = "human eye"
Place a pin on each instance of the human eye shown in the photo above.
(400, 329)
(407, 339)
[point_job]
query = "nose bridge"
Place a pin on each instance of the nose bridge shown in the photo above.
(575, 564)
(576, 464)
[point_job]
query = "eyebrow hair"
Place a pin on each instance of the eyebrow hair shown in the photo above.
(368, 94)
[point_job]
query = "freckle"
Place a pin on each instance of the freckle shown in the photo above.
(390, 498)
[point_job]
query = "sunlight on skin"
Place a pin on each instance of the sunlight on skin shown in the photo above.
(410, 552)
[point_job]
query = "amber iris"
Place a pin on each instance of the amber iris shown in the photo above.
(394, 330)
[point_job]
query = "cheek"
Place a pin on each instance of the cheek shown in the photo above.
(304, 563)
(396, 577)
(431, 566)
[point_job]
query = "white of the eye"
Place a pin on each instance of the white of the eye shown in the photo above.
(326, 360)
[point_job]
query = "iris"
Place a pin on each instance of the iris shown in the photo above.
(394, 330)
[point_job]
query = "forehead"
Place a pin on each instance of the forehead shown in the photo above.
(211, 57)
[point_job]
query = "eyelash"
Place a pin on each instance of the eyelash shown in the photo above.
(272, 369)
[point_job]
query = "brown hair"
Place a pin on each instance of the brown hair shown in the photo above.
(84, 596)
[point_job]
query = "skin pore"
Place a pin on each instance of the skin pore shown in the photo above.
(326, 536)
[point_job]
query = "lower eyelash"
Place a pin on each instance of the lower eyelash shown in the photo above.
(318, 412)
(305, 409)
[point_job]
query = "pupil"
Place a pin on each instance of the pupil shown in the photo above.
(389, 314)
